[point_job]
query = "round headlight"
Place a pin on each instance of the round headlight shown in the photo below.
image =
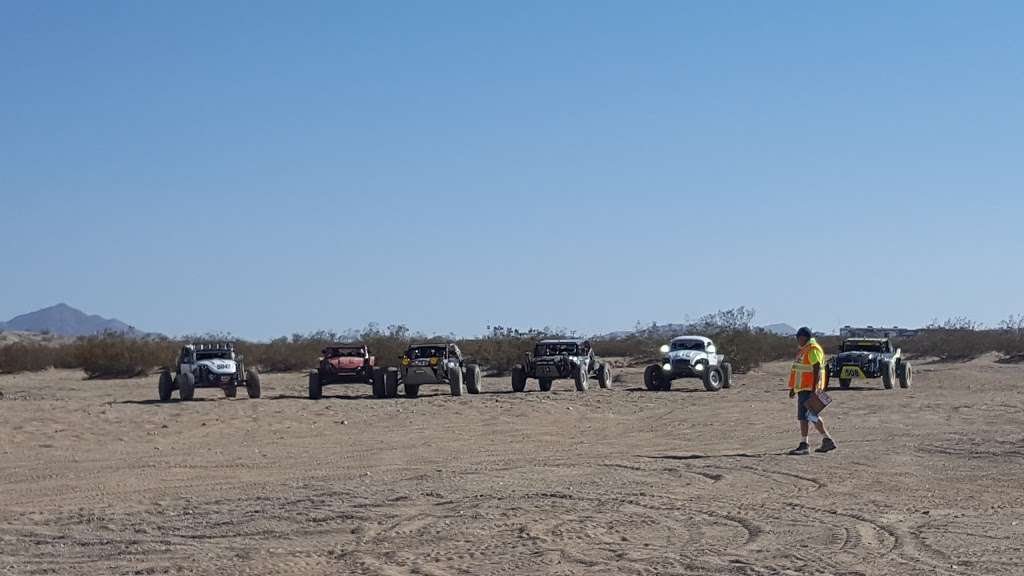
(699, 367)
(666, 367)
(664, 348)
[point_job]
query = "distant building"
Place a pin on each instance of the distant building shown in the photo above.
(880, 332)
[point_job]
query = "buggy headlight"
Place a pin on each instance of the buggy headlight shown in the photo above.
(699, 367)
(434, 361)
(406, 361)
(666, 367)
(664, 348)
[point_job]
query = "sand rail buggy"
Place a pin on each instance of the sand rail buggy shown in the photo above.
(208, 365)
(561, 359)
(346, 364)
(689, 357)
(424, 364)
(869, 358)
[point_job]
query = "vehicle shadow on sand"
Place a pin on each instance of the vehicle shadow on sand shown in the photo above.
(710, 456)
(324, 397)
(157, 402)
(672, 391)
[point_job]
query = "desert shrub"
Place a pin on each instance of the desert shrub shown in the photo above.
(301, 351)
(962, 344)
(745, 346)
(25, 357)
(117, 356)
(503, 347)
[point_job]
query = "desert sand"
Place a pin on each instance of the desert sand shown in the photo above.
(98, 478)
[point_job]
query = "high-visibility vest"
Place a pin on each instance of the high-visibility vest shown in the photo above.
(801, 376)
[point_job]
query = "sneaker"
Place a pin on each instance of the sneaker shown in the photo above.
(827, 445)
(800, 450)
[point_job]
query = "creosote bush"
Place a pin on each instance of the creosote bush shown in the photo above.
(118, 356)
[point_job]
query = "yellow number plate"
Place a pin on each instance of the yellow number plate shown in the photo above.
(851, 372)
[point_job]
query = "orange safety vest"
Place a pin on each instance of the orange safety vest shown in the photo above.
(801, 376)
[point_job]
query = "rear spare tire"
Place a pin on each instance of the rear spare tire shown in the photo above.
(844, 383)
(545, 384)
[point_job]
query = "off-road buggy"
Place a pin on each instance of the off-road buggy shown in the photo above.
(869, 358)
(208, 365)
(346, 364)
(432, 364)
(561, 359)
(689, 357)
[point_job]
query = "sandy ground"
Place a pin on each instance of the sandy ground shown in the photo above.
(97, 478)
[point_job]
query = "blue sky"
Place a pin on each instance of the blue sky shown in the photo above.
(268, 168)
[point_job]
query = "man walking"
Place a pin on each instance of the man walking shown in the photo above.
(805, 378)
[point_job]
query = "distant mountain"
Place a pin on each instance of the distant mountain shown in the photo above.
(780, 329)
(63, 320)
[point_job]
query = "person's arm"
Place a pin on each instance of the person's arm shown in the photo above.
(817, 360)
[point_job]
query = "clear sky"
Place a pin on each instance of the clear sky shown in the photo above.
(263, 168)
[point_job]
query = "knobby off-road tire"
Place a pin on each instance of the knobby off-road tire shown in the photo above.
(165, 386)
(230, 390)
(390, 382)
(581, 380)
(316, 388)
(727, 375)
(252, 383)
(604, 376)
(518, 378)
(545, 384)
(379, 384)
(652, 379)
(712, 378)
(186, 385)
(411, 390)
(473, 379)
(844, 383)
(455, 381)
(905, 374)
(888, 375)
